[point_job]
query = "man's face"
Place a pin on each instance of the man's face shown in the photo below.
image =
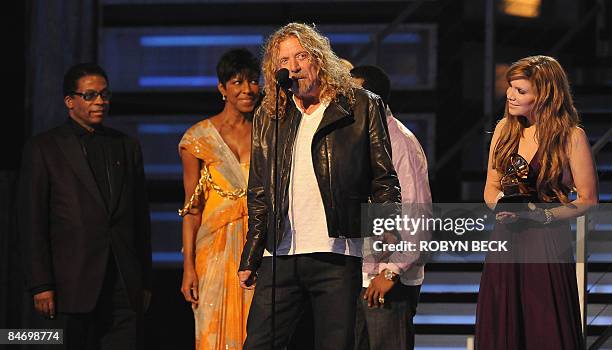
(88, 113)
(302, 69)
(358, 81)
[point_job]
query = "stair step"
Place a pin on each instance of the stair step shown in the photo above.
(458, 342)
(465, 314)
(477, 267)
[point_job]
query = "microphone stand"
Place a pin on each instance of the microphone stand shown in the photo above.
(276, 220)
(282, 81)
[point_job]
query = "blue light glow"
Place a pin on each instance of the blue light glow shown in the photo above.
(600, 257)
(598, 227)
(256, 40)
(163, 169)
(445, 319)
(166, 257)
(162, 128)
(600, 288)
(599, 321)
(171, 216)
(364, 38)
(200, 40)
(178, 81)
(449, 288)
(605, 196)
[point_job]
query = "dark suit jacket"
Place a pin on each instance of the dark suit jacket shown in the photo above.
(66, 230)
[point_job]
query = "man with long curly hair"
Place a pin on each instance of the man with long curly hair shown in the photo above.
(334, 154)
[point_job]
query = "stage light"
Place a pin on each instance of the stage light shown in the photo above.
(521, 8)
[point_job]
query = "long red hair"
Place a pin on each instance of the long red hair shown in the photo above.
(555, 118)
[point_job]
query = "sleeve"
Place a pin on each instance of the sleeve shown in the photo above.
(33, 219)
(256, 203)
(142, 218)
(385, 184)
(411, 166)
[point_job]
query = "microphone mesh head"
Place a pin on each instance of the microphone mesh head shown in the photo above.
(282, 78)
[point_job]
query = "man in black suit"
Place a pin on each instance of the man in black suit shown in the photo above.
(84, 221)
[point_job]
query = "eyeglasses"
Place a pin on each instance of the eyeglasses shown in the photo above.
(91, 95)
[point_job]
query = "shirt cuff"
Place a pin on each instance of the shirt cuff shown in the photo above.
(389, 266)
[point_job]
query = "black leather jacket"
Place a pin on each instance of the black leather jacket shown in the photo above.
(351, 154)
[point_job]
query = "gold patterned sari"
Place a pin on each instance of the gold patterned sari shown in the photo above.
(220, 317)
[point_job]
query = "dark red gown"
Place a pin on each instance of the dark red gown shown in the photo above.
(532, 302)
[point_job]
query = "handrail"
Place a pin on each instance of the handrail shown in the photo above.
(459, 144)
(607, 137)
(462, 141)
(575, 30)
(600, 341)
(582, 230)
(383, 33)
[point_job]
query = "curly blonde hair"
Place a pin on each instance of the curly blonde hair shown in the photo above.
(334, 76)
(555, 119)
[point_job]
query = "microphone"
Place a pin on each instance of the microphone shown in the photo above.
(282, 79)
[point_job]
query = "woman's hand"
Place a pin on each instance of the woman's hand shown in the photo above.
(534, 214)
(247, 279)
(506, 217)
(189, 287)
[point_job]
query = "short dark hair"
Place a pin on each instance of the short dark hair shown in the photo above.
(237, 62)
(76, 72)
(374, 79)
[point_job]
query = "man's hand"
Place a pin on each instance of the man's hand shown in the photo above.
(246, 281)
(189, 287)
(379, 286)
(146, 298)
(44, 303)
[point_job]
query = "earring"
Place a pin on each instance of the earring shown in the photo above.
(223, 97)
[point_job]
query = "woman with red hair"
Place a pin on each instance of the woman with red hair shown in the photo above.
(528, 296)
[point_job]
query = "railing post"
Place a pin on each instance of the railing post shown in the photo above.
(489, 77)
(582, 269)
(469, 343)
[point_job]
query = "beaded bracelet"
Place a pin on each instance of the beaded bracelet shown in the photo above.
(549, 216)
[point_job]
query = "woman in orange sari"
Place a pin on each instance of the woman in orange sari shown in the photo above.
(215, 154)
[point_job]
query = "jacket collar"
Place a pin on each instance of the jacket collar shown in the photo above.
(338, 110)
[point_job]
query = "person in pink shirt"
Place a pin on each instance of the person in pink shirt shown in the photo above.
(391, 288)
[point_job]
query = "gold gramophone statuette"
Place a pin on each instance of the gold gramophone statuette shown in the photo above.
(514, 182)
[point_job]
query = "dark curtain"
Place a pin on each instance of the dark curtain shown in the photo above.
(61, 34)
(10, 274)
(57, 34)
(11, 139)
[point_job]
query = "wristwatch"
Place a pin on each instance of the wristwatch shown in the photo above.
(390, 275)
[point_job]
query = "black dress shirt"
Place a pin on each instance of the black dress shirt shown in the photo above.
(96, 147)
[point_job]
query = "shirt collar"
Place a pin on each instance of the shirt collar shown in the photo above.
(79, 130)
